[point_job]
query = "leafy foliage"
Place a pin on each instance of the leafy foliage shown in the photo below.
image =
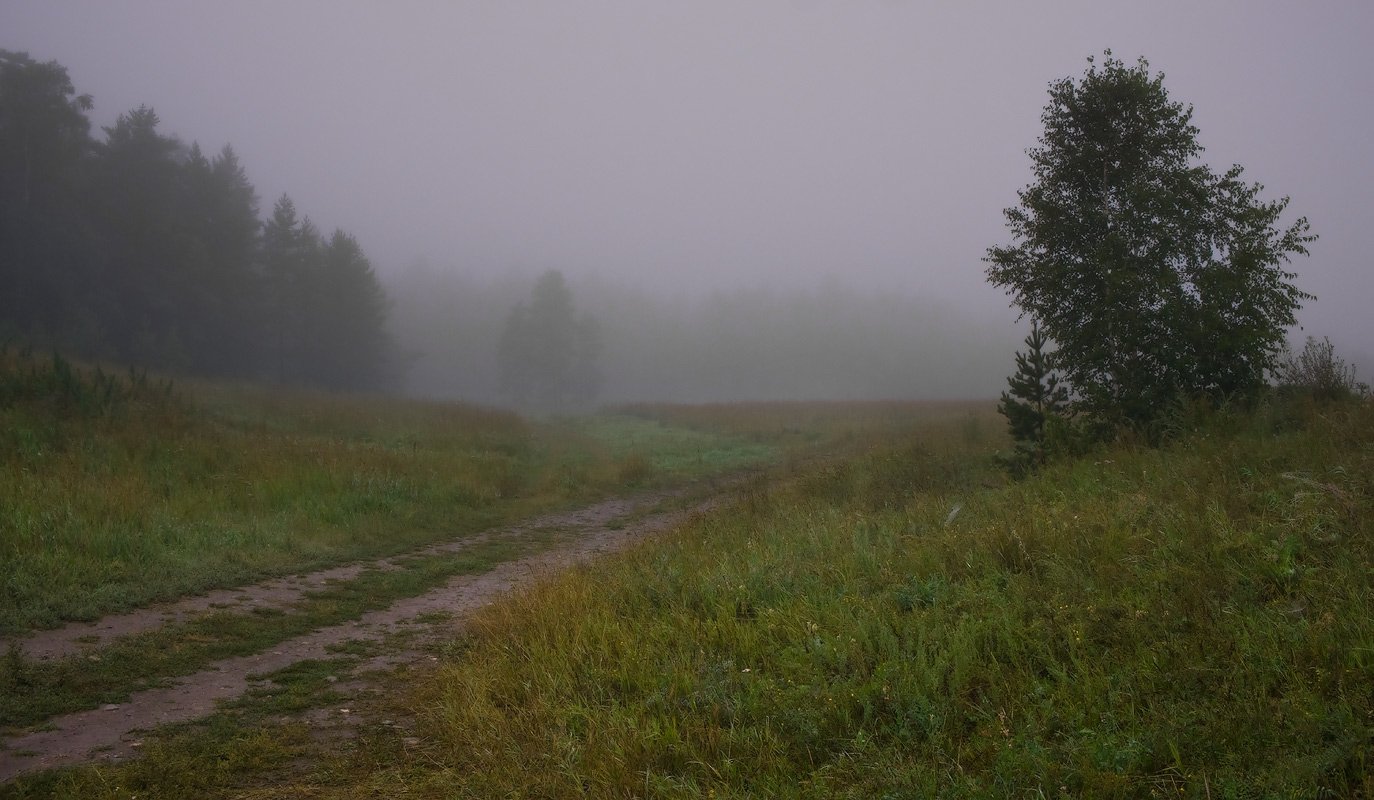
(1153, 274)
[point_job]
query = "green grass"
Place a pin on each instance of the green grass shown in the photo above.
(671, 451)
(1190, 622)
(1195, 621)
(116, 492)
(647, 449)
(798, 427)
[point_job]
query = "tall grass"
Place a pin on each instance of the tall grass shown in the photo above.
(1189, 622)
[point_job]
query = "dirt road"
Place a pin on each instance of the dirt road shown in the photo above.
(114, 732)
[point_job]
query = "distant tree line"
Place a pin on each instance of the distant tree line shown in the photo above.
(138, 248)
(468, 335)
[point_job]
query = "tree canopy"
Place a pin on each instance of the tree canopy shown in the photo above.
(1155, 276)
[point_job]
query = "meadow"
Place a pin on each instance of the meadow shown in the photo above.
(888, 617)
(1194, 621)
(120, 490)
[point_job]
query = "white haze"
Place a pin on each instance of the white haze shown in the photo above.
(680, 149)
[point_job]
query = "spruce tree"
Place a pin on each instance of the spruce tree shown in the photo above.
(1036, 396)
(548, 351)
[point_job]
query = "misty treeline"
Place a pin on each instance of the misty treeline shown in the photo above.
(134, 247)
(828, 341)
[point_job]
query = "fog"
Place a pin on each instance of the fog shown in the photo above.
(832, 341)
(753, 200)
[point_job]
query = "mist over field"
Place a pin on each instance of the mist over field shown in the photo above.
(830, 341)
(747, 201)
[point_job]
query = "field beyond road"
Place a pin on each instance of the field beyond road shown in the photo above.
(1193, 621)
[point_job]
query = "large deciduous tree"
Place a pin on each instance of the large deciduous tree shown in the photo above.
(1155, 276)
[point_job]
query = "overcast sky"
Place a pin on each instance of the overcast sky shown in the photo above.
(707, 144)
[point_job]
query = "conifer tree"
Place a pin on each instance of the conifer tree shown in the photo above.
(46, 250)
(290, 252)
(547, 352)
(351, 348)
(1036, 396)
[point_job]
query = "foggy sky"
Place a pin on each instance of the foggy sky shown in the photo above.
(704, 144)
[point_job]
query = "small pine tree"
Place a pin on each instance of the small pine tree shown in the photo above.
(1036, 397)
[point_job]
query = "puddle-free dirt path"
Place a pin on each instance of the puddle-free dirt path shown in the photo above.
(112, 732)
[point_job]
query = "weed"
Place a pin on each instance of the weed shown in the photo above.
(1319, 373)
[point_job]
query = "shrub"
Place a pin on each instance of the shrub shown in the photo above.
(1317, 371)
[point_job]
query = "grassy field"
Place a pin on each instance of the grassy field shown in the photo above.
(121, 490)
(899, 621)
(1196, 621)
(1190, 622)
(798, 426)
(641, 446)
